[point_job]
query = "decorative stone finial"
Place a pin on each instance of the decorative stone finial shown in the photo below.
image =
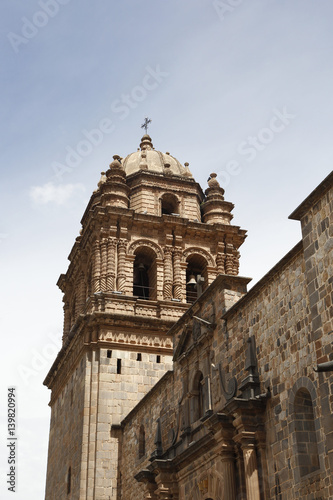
(214, 208)
(212, 181)
(167, 169)
(187, 170)
(143, 163)
(102, 179)
(146, 143)
(116, 161)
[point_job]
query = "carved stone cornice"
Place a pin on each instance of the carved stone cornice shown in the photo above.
(184, 455)
(145, 476)
(91, 331)
(135, 340)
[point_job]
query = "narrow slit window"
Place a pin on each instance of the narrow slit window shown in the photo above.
(158, 358)
(109, 354)
(139, 356)
(142, 442)
(69, 480)
(118, 366)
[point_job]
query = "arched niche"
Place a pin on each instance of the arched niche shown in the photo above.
(306, 438)
(197, 402)
(305, 429)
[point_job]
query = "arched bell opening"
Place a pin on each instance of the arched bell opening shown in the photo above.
(196, 277)
(169, 204)
(145, 274)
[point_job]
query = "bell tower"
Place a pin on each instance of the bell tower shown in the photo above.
(147, 234)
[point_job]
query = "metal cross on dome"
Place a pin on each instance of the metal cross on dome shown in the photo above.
(146, 123)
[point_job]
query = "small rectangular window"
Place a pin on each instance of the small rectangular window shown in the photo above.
(139, 356)
(158, 358)
(109, 354)
(118, 366)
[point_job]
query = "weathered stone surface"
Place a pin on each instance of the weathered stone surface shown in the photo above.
(142, 238)
(289, 424)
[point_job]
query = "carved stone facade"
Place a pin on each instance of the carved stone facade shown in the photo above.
(147, 230)
(159, 393)
(246, 412)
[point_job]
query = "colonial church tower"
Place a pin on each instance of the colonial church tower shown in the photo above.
(150, 240)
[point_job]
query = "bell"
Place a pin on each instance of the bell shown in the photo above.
(192, 280)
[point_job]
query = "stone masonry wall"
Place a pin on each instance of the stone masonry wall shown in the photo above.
(65, 438)
(277, 314)
(162, 403)
(289, 314)
(280, 317)
(162, 396)
(115, 383)
(317, 231)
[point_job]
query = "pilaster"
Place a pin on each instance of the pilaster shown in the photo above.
(111, 267)
(177, 274)
(168, 274)
(121, 274)
(96, 267)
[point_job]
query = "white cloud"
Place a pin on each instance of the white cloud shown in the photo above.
(51, 192)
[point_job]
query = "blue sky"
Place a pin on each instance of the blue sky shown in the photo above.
(239, 88)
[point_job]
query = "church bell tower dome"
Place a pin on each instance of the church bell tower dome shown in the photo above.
(147, 158)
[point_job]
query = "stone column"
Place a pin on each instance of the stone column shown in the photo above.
(158, 294)
(167, 288)
(236, 262)
(261, 446)
(96, 272)
(251, 467)
(220, 259)
(104, 257)
(81, 294)
(66, 320)
(229, 259)
(111, 265)
(121, 271)
(228, 467)
(177, 276)
(241, 486)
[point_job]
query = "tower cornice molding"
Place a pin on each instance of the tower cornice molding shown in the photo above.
(100, 330)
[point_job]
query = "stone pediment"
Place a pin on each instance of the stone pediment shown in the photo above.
(194, 333)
